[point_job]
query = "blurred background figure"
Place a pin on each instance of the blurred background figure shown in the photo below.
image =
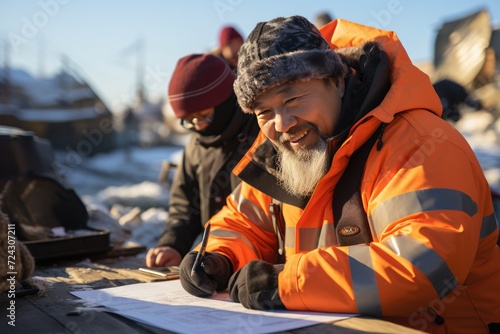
(322, 18)
(202, 97)
(230, 41)
(453, 96)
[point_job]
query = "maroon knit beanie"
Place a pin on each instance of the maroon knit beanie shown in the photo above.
(199, 82)
(228, 33)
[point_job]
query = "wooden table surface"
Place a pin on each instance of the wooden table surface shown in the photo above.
(55, 310)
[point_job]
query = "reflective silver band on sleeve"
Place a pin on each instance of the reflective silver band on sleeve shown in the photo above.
(233, 235)
(308, 238)
(489, 225)
(426, 260)
(312, 237)
(364, 283)
(420, 201)
(290, 237)
(254, 213)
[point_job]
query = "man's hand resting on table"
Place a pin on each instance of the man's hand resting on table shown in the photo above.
(163, 257)
(255, 286)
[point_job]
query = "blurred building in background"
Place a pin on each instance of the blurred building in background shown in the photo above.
(144, 123)
(63, 109)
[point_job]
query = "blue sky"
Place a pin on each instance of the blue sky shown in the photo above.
(97, 36)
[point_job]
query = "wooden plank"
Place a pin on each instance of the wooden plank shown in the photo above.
(331, 329)
(26, 316)
(371, 325)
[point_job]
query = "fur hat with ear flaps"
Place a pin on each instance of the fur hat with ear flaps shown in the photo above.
(22, 268)
(279, 51)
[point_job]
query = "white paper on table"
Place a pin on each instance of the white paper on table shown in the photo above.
(168, 306)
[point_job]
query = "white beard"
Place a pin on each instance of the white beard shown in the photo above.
(300, 171)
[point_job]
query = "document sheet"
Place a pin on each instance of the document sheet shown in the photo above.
(168, 306)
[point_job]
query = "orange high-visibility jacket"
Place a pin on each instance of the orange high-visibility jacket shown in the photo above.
(428, 205)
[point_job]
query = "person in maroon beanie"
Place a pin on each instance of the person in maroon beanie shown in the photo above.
(202, 97)
(230, 41)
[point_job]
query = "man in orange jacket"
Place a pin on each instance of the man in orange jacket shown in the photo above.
(347, 202)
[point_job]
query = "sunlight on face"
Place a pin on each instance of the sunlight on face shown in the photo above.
(199, 120)
(230, 51)
(298, 118)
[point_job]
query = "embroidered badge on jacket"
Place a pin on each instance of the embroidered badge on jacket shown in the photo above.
(349, 231)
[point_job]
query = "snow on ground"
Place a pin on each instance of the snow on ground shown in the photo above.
(482, 131)
(120, 168)
(123, 192)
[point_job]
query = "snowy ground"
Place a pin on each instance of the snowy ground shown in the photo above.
(119, 168)
(123, 191)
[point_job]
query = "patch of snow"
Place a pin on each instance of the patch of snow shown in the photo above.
(144, 195)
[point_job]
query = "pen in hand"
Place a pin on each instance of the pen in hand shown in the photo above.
(201, 253)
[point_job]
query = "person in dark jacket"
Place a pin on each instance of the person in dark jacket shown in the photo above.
(202, 97)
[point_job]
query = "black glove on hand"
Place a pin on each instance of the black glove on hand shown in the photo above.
(255, 286)
(211, 276)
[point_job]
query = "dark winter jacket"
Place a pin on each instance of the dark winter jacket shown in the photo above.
(204, 179)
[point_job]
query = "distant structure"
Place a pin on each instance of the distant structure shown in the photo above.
(460, 48)
(63, 109)
(142, 123)
(467, 53)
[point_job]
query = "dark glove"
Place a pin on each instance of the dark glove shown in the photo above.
(211, 276)
(255, 286)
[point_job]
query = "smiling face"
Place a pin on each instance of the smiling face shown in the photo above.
(298, 118)
(298, 114)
